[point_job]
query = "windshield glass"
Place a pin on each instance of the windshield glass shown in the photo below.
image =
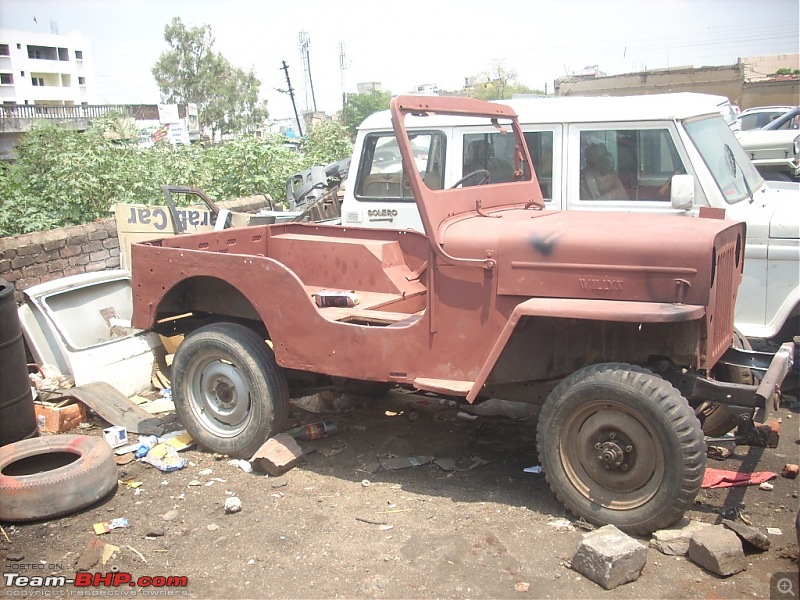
(732, 170)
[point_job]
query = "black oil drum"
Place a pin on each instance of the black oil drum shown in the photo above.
(17, 417)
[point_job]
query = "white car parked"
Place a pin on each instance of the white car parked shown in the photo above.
(775, 148)
(665, 154)
(758, 117)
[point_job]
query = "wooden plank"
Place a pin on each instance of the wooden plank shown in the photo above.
(111, 404)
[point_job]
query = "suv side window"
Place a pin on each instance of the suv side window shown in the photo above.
(381, 175)
(494, 152)
(627, 164)
(540, 145)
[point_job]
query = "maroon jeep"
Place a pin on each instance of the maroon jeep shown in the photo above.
(611, 322)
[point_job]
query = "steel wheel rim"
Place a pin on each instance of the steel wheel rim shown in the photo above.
(611, 456)
(219, 395)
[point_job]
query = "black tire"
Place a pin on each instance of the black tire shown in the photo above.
(717, 419)
(228, 390)
(51, 476)
(621, 446)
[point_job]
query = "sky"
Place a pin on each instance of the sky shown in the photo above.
(405, 44)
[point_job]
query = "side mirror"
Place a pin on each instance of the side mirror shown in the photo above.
(682, 192)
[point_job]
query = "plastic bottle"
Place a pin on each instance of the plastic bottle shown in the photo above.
(145, 443)
(314, 431)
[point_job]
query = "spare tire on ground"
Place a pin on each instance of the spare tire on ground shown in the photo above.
(53, 476)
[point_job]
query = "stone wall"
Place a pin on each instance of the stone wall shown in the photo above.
(34, 258)
(728, 81)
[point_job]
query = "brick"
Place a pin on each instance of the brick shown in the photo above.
(12, 276)
(22, 261)
(277, 455)
(717, 549)
(57, 265)
(25, 283)
(609, 557)
(113, 263)
(5, 265)
(79, 261)
(98, 235)
(54, 245)
(98, 256)
(70, 251)
(8, 244)
(92, 247)
(98, 266)
(769, 433)
(47, 256)
(111, 243)
(77, 240)
(675, 540)
(75, 270)
(113, 252)
(29, 250)
(8, 253)
(34, 271)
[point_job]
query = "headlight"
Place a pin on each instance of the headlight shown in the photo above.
(796, 145)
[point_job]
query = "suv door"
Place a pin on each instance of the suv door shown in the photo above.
(623, 167)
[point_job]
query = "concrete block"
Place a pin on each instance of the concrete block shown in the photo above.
(717, 549)
(277, 455)
(609, 557)
(675, 540)
(751, 535)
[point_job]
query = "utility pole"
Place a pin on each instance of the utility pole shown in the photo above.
(305, 55)
(285, 69)
(343, 64)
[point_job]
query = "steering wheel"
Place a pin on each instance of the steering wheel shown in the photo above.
(484, 174)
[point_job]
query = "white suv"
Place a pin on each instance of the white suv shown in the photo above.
(666, 154)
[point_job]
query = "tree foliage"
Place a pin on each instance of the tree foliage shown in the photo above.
(360, 106)
(192, 72)
(499, 83)
(63, 177)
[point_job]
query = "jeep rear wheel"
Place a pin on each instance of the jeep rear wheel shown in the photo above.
(621, 446)
(229, 392)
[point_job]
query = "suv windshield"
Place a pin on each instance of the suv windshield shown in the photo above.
(732, 170)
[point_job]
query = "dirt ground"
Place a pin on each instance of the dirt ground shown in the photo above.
(340, 525)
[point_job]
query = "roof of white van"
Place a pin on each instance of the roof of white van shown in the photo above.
(583, 109)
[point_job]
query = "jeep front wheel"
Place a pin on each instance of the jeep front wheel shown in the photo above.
(621, 446)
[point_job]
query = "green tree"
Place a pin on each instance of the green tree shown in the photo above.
(499, 83)
(360, 106)
(191, 71)
(326, 142)
(63, 177)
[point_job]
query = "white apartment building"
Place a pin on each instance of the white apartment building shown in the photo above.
(45, 69)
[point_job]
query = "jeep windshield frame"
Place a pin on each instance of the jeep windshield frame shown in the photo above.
(730, 167)
(437, 206)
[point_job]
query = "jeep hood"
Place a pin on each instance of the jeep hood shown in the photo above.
(618, 256)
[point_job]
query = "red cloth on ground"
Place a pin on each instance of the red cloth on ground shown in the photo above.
(717, 478)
